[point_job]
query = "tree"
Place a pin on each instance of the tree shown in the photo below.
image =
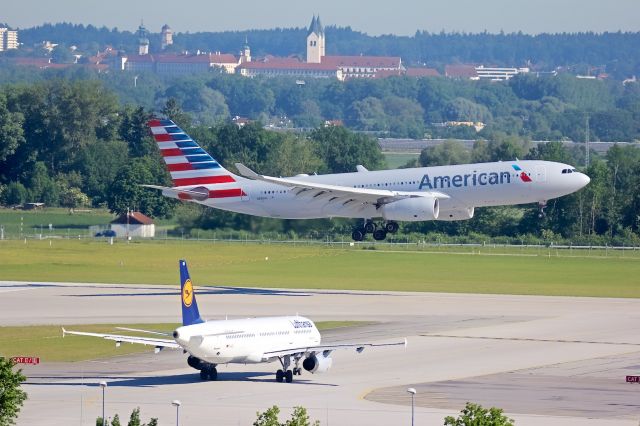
(299, 417)
(475, 415)
(126, 193)
(444, 154)
(11, 396)
(134, 419)
(343, 150)
(268, 418)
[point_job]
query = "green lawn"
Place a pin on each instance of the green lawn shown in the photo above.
(469, 270)
(63, 222)
(398, 159)
(47, 343)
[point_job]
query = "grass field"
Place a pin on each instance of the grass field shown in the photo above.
(469, 270)
(30, 222)
(398, 159)
(47, 343)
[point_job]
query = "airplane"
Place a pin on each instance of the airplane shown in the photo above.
(444, 193)
(287, 339)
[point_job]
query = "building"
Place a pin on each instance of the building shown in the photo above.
(133, 224)
(166, 36)
(480, 72)
(143, 40)
(497, 73)
(289, 67)
(315, 41)
(8, 39)
(173, 64)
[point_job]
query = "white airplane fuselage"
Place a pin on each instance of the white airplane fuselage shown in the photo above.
(245, 341)
(468, 186)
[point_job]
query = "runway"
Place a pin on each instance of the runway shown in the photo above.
(545, 360)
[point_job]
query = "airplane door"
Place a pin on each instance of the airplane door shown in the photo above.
(541, 174)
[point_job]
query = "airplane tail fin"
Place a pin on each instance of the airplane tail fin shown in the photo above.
(190, 313)
(188, 163)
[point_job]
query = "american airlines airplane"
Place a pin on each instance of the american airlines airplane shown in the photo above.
(417, 194)
(289, 340)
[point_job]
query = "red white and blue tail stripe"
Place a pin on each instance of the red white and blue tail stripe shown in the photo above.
(189, 164)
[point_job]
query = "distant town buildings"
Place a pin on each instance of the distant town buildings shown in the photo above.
(166, 36)
(143, 40)
(473, 72)
(8, 39)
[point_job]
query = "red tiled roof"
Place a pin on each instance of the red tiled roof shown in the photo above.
(135, 218)
(422, 72)
(182, 59)
(387, 73)
(363, 61)
(465, 71)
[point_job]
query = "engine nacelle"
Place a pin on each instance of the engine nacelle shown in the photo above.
(317, 363)
(195, 362)
(414, 209)
(461, 214)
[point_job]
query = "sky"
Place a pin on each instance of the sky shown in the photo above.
(374, 17)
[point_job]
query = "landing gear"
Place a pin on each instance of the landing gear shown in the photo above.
(370, 227)
(391, 227)
(541, 207)
(358, 234)
(286, 375)
(209, 372)
(379, 232)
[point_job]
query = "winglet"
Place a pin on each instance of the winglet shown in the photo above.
(190, 313)
(360, 168)
(246, 172)
(63, 332)
(405, 343)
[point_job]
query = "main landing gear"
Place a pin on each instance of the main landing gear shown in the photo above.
(379, 232)
(209, 372)
(286, 375)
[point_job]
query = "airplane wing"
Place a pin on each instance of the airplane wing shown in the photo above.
(158, 343)
(327, 349)
(363, 195)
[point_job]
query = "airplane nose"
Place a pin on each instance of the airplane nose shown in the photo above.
(584, 180)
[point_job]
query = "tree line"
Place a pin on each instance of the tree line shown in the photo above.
(531, 107)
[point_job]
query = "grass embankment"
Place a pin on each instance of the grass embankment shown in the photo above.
(468, 270)
(47, 342)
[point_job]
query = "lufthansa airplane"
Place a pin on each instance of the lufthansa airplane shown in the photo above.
(417, 194)
(291, 340)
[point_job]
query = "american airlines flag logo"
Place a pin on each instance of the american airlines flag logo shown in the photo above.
(188, 163)
(523, 175)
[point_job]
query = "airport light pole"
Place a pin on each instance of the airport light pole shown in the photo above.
(103, 385)
(412, 391)
(176, 403)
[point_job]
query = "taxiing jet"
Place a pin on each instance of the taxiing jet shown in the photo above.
(291, 340)
(417, 194)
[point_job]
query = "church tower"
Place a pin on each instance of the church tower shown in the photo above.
(166, 36)
(315, 41)
(245, 53)
(143, 40)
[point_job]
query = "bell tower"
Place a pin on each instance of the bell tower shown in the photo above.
(315, 41)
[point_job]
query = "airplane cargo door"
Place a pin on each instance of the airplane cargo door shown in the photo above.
(541, 174)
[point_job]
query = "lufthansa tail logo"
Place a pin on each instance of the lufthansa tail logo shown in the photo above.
(187, 293)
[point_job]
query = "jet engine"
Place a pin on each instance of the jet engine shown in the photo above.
(318, 363)
(459, 214)
(413, 209)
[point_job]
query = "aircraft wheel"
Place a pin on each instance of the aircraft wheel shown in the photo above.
(391, 227)
(379, 234)
(204, 374)
(369, 227)
(213, 373)
(279, 376)
(288, 375)
(358, 234)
